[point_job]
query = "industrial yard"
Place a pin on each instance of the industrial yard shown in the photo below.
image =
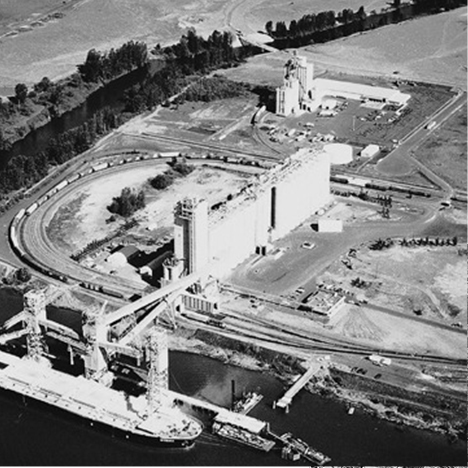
(311, 229)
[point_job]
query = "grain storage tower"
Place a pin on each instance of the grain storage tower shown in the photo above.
(339, 153)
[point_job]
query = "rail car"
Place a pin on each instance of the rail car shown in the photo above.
(19, 215)
(339, 180)
(74, 178)
(61, 186)
(369, 185)
(101, 289)
(31, 209)
(216, 323)
(30, 261)
(100, 167)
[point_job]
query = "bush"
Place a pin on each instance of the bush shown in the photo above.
(162, 181)
(23, 275)
(127, 203)
(213, 88)
(182, 168)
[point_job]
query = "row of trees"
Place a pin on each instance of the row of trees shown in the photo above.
(191, 55)
(211, 88)
(96, 244)
(60, 96)
(195, 54)
(108, 65)
(328, 25)
(23, 171)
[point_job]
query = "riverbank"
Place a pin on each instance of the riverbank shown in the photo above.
(34, 115)
(382, 405)
(338, 384)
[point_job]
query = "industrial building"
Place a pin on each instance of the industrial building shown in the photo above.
(123, 255)
(301, 92)
(370, 151)
(266, 209)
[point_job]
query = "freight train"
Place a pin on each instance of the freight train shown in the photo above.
(383, 187)
(130, 156)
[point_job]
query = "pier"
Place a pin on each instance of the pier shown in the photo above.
(287, 398)
(222, 414)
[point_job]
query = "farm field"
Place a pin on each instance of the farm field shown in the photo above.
(430, 49)
(37, 46)
(445, 151)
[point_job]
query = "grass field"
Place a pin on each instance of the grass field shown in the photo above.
(445, 151)
(38, 46)
(431, 49)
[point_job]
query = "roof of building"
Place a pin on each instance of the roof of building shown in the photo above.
(128, 251)
(376, 92)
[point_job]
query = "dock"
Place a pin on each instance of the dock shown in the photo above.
(287, 398)
(223, 415)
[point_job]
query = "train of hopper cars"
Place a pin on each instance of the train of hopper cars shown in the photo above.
(383, 187)
(130, 156)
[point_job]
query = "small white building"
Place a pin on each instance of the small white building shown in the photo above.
(330, 225)
(370, 151)
(329, 103)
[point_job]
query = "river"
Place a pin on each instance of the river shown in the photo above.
(107, 96)
(32, 436)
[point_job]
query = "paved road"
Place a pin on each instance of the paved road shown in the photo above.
(417, 136)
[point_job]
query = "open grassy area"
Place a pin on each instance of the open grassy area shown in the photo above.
(39, 45)
(431, 49)
(445, 151)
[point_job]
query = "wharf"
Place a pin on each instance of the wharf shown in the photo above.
(223, 415)
(287, 398)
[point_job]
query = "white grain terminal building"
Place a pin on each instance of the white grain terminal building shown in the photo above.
(301, 92)
(265, 210)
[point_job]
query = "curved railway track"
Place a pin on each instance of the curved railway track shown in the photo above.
(37, 250)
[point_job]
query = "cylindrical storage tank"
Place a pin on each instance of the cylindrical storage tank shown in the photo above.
(339, 153)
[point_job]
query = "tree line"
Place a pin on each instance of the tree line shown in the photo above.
(109, 65)
(328, 25)
(98, 66)
(192, 54)
(23, 171)
(208, 89)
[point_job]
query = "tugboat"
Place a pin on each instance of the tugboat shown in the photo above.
(247, 403)
(295, 449)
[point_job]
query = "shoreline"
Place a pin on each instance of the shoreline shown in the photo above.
(46, 115)
(184, 340)
(348, 398)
